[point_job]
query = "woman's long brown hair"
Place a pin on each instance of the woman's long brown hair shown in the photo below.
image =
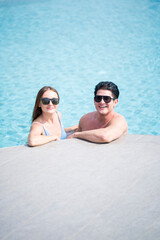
(37, 111)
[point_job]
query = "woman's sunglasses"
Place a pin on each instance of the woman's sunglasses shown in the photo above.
(106, 99)
(46, 101)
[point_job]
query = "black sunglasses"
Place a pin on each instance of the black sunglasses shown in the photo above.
(46, 101)
(106, 99)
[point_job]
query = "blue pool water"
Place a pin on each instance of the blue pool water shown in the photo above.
(72, 45)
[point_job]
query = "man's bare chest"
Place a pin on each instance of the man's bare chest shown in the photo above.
(93, 124)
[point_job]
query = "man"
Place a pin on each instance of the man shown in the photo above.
(103, 125)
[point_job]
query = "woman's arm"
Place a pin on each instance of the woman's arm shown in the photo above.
(36, 137)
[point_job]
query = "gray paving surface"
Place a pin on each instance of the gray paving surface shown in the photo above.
(74, 189)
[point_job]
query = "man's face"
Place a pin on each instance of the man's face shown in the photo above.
(102, 107)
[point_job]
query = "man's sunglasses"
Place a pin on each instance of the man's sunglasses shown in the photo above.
(106, 99)
(46, 101)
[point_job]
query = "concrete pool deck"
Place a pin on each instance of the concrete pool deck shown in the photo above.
(77, 190)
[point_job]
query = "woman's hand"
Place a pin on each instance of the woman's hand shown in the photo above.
(57, 139)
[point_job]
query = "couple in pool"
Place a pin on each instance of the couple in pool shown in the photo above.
(101, 126)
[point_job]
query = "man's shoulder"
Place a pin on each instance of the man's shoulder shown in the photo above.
(88, 116)
(86, 121)
(120, 121)
(118, 116)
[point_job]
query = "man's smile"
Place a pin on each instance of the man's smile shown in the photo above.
(102, 107)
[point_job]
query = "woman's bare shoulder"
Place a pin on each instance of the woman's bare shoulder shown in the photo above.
(37, 124)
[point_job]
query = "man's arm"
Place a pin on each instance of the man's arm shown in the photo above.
(72, 128)
(117, 128)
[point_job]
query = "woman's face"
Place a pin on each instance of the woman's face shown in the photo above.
(46, 104)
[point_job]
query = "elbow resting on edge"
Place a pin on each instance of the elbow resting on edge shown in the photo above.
(31, 142)
(105, 138)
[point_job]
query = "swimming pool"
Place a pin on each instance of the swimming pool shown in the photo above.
(72, 45)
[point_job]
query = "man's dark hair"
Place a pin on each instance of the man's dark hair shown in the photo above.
(107, 86)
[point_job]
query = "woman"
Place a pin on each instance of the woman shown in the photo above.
(46, 120)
